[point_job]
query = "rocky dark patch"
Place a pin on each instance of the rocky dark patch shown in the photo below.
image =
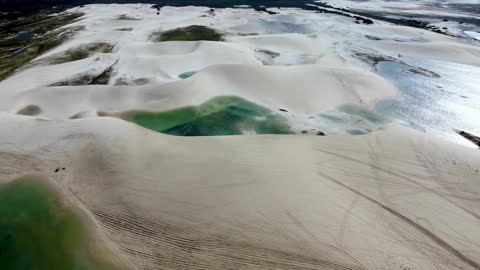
(472, 138)
(423, 72)
(81, 52)
(127, 29)
(100, 79)
(104, 77)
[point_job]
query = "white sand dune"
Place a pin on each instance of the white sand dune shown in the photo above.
(291, 49)
(393, 199)
(308, 89)
(46, 75)
(170, 59)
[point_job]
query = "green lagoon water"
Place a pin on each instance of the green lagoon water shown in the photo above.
(186, 75)
(38, 233)
(219, 116)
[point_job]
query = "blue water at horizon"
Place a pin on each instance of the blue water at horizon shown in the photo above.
(437, 106)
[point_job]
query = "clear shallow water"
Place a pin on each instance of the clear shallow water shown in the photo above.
(430, 103)
(37, 232)
(435, 105)
(186, 75)
(348, 119)
(218, 116)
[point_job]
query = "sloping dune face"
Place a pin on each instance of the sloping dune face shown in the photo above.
(267, 202)
(183, 57)
(301, 65)
(198, 138)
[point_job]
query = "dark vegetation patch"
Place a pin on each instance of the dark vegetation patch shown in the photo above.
(372, 37)
(374, 59)
(83, 52)
(103, 77)
(313, 131)
(89, 79)
(77, 115)
(269, 53)
(189, 33)
(30, 110)
(25, 38)
(218, 116)
(423, 72)
(74, 54)
(130, 81)
(125, 17)
(126, 29)
(263, 9)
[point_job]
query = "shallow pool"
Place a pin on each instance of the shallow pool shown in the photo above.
(37, 232)
(218, 116)
(186, 75)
